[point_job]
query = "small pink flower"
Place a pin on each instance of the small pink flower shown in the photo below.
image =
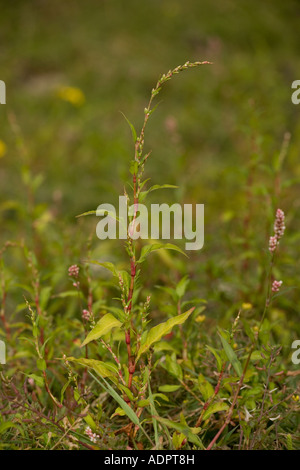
(73, 271)
(273, 244)
(86, 315)
(92, 436)
(279, 229)
(276, 286)
(279, 226)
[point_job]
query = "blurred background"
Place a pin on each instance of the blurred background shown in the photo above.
(227, 134)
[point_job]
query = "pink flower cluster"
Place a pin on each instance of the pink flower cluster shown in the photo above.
(279, 229)
(86, 315)
(73, 271)
(279, 226)
(276, 286)
(273, 243)
(92, 436)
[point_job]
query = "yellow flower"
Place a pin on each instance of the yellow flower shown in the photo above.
(247, 306)
(235, 346)
(71, 94)
(295, 397)
(2, 148)
(200, 318)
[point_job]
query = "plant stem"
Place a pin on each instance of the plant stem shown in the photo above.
(211, 399)
(228, 417)
(136, 180)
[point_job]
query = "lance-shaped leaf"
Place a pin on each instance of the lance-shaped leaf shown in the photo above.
(106, 265)
(104, 326)
(93, 212)
(232, 357)
(190, 433)
(125, 407)
(218, 358)
(143, 194)
(157, 332)
(101, 368)
(205, 387)
(134, 135)
(215, 408)
(147, 249)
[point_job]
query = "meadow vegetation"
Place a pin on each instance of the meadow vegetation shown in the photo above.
(124, 344)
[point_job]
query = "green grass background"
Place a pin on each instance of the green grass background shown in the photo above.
(216, 134)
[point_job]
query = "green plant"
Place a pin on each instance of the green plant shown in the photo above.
(132, 319)
(86, 368)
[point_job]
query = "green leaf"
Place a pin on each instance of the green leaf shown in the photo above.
(289, 442)
(157, 332)
(90, 422)
(86, 213)
(118, 412)
(127, 391)
(170, 291)
(41, 364)
(104, 326)
(106, 265)
(218, 358)
(160, 395)
(146, 250)
(181, 286)
(125, 407)
(143, 194)
(215, 408)
(143, 403)
(182, 429)
(134, 134)
(9, 424)
(62, 392)
(38, 380)
(69, 293)
(153, 412)
(173, 367)
(134, 166)
(117, 311)
(101, 368)
(161, 186)
(164, 346)
(232, 357)
(177, 440)
(168, 388)
(42, 350)
(45, 296)
(205, 387)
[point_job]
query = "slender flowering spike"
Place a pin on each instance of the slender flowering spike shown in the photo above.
(279, 226)
(73, 271)
(145, 310)
(276, 286)
(273, 244)
(279, 229)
